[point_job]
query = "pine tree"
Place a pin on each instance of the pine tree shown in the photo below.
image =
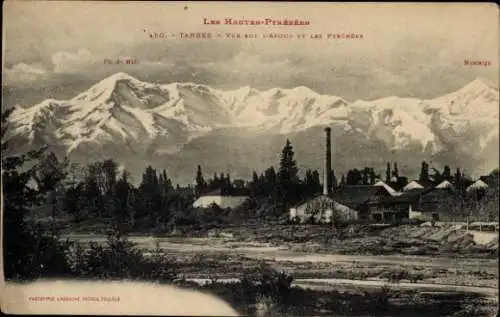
(446, 175)
(372, 175)
(215, 182)
(458, 181)
(269, 181)
(309, 181)
(255, 178)
(169, 187)
(288, 166)
(287, 178)
(255, 184)
(395, 172)
(122, 199)
(316, 181)
(388, 173)
(92, 193)
(222, 181)
(354, 177)
(262, 184)
(49, 173)
(150, 197)
(110, 175)
(200, 182)
(424, 171)
(457, 177)
(333, 179)
(74, 201)
(308, 178)
(366, 176)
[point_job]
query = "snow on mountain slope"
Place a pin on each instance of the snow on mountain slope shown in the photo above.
(471, 113)
(284, 110)
(477, 99)
(121, 108)
(153, 118)
(397, 121)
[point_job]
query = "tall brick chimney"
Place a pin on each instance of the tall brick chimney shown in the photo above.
(327, 175)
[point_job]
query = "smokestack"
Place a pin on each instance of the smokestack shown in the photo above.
(327, 177)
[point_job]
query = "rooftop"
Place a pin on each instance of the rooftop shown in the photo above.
(355, 195)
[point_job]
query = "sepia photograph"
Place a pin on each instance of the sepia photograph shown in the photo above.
(250, 159)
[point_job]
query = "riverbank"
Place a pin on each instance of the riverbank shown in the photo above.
(225, 258)
(446, 240)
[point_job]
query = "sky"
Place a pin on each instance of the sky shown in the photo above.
(57, 49)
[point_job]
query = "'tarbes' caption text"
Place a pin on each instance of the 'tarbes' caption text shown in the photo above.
(270, 35)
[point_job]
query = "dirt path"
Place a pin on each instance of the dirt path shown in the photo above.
(327, 283)
(334, 283)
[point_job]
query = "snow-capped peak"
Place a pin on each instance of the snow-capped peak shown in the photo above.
(121, 75)
(479, 84)
(304, 90)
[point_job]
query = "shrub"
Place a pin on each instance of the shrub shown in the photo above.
(33, 254)
(380, 302)
(272, 289)
(118, 258)
(267, 306)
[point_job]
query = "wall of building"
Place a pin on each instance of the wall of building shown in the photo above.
(423, 216)
(322, 210)
(386, 213)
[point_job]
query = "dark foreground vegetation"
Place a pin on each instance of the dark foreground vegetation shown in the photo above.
(271, 296)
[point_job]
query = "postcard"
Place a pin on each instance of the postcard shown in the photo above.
(250, 158)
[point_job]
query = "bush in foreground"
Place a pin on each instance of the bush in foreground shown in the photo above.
(118, 258)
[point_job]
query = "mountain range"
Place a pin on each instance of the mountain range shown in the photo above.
(180, 125)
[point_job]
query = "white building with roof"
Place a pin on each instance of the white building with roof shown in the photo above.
(391, 190)
(477, 185)
(445, 185)
(412, 185)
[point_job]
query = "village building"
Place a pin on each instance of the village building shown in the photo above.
(408, 204)
(412, 185)
(324, 208)
(420, 203)
(418, 184)
(397, 183)
(371, 202)
(445, 185)
(224, 198)
(389, 188)
(477, 189)
(439, 200)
